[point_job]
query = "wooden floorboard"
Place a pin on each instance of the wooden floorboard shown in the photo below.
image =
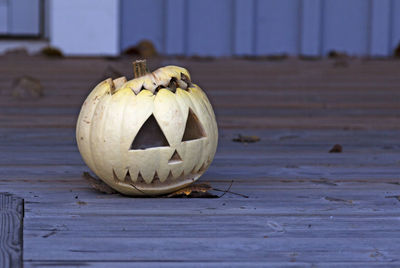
(11, 228)
(306, 207)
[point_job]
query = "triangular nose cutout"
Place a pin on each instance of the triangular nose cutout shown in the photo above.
(193, 130)
(175, 158)
(150, 135)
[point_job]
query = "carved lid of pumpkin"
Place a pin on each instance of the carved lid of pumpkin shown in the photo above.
(168, 77)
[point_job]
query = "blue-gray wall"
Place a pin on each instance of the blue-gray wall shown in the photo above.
(263, 27)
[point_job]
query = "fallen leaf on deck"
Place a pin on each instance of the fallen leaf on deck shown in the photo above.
(324, 181)
(394, 196)
(194, 191)
(144, 49)
(98, 184)
(333, 54)
(52, 52)
(246, 139)
(26, 87)
(337, 148)
(396, 53)
(201, 191)
(334, 199)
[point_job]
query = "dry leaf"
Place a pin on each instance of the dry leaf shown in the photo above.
(397, 52)
(52, 52)
(324, 181)
(246, 139)
(333, 54)
(26, 87)
(334, 199)
(337, 148)
(194, 191)
(144, 49)
(394, 196)
(98, 184)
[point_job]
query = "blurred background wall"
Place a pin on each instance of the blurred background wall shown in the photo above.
(263, 27)
(208, 27)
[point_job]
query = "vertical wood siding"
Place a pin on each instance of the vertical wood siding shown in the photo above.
(263, 27)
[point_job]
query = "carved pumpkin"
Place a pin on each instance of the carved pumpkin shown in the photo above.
(151, 135)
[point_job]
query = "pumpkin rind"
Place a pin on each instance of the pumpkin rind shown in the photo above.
(113, 114)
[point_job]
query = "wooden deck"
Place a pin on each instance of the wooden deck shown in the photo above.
(306, 207)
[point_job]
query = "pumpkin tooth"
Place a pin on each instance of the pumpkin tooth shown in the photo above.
(162, 77)
(186, 78)
(120, 174)
(118, 83)
(162, 174)
(110, 83)
(149, 84)
(182, 84)
(136, 88)
(147, 176)
(115, 177)
(133, 174)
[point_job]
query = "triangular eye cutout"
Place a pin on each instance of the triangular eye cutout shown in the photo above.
(150, 135)
(193, 130)
(175, 158)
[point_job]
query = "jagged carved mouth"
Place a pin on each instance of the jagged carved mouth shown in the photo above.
(170, 179)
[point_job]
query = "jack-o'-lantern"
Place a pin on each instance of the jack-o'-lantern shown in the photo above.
(151, 135)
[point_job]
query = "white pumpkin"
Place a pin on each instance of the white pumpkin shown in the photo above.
(151, 135)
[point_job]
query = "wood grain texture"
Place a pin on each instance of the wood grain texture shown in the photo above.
(306, 206)
(11, 224)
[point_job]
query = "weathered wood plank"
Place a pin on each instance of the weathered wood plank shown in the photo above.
(215, 226)
(11, 226)
(214, 249)
(306, 207)
(292, 263)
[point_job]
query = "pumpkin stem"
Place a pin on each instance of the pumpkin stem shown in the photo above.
(140, 68)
